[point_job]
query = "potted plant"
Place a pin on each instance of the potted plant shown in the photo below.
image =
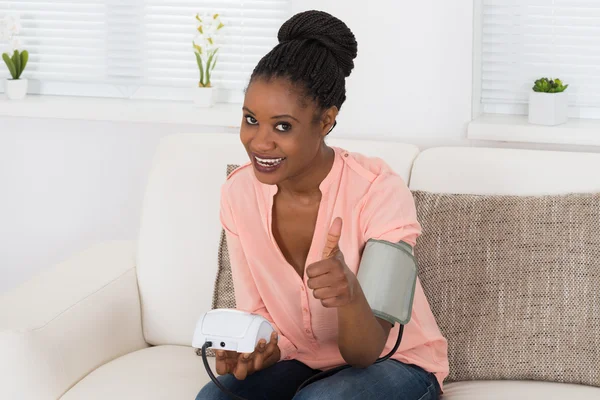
(205, 49)
(15, 60)
(16, 88)
(548, 102)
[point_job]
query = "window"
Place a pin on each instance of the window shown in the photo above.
(140, 48)
(520, 41)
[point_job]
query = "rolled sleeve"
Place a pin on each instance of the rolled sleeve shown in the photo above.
(389, 211)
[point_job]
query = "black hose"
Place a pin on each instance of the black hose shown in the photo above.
(213, 377)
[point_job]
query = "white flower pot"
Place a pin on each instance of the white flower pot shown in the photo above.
(548, 108)
(204, 97)
(15, 89)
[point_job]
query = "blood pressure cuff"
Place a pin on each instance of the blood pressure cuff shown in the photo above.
(388, 276)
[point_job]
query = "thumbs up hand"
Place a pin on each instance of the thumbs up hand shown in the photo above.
(330, 279)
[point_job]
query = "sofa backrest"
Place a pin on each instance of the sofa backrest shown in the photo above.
(180, 228)
(472, 170)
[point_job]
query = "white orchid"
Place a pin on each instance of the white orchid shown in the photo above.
(208, 28)
(13, 24)
(10, 26)
(205, 43)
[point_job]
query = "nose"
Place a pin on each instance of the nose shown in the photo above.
(263, 141)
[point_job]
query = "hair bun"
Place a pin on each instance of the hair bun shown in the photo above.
(325, 29)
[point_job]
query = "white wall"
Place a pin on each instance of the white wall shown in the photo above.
(67, 184)
(413, 72)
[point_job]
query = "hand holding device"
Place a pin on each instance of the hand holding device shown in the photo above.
(244, 342)
(240, 340)
(242, 365)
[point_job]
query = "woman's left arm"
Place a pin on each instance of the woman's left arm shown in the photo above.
(361, 336)
(388, 214)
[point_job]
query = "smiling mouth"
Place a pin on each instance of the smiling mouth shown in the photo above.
(268, 162)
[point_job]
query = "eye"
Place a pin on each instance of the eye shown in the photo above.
(251, 120)
(283, 127)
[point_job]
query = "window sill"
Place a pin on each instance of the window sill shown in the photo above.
(516, 128)
(119, 110)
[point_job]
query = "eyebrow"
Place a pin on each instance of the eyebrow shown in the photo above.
(273, 117)
(284, 116)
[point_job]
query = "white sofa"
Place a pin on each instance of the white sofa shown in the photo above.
(116, 321)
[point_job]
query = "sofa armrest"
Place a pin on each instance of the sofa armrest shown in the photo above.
(69, 320)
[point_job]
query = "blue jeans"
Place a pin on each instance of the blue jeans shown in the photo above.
(388, 380)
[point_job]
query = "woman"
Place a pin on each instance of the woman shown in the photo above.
(297, 218)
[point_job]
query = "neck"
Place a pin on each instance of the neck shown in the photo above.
(307, 182)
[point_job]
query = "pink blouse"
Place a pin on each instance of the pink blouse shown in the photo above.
(373, 202)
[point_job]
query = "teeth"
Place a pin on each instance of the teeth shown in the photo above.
(268, 162)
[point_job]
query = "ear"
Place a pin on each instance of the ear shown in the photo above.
(328, 120)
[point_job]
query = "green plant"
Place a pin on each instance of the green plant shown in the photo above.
(205, 71)
(205, 46)
(545, 85)
(17, 63)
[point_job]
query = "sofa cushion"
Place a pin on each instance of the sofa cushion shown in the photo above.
(494, 171)
(161, 372)
(518, 390)
(173, 372)
(513, 282)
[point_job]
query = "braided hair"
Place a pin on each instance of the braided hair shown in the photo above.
(315, 51)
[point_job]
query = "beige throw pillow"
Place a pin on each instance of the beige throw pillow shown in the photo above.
(224, 295)
(514, 283)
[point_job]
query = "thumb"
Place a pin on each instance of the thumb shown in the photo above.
(333, 239)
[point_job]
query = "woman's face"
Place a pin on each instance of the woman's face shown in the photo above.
(281, 135)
